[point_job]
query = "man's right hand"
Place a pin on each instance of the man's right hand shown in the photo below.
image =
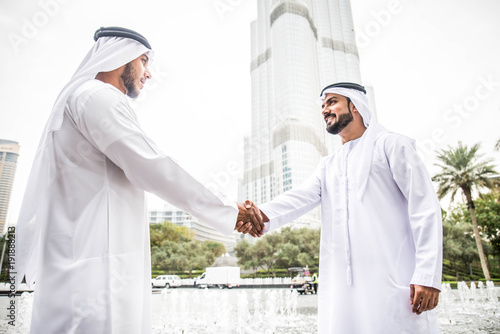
(249, 219)
(423, 298)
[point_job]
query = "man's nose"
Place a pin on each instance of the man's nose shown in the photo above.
(324, 112)
(148, 74)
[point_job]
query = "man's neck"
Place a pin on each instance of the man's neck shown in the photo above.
(113, 79)
(352, 134)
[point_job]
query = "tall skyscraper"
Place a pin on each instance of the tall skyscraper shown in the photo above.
(297, 48)
(9, 151)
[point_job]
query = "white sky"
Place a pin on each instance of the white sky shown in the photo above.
(427, 60)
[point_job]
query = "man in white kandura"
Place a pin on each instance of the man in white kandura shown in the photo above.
(82, 233)
(381, 231)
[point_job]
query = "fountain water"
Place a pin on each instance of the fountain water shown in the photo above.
(469, 309)
(222, 311)
(474, 309)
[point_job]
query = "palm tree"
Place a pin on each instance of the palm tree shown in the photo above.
(497, 145)
(462, 168)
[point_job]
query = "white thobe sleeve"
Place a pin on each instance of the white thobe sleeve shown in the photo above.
(110, 125)
(424, 210)
(293, 203)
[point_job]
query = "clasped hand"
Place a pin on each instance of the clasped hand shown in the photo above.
(249, 219)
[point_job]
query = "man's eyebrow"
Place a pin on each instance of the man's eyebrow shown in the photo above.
(147, 58)
(328, 101)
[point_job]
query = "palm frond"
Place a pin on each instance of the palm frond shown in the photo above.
(462, 168)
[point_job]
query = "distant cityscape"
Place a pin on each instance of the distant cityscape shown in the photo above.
(296, 49)
(9, 152)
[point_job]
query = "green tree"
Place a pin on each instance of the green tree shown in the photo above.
(288, 248)
(4, 277)
(159, 258)
(266, 248)
(459, 246)
(488, 218)
(174, 249)
(300, 247)
(288, 256)
(462, 169)
(168, 231)
(215, 247)
(309, 244)
(247, 256)
(195, 255)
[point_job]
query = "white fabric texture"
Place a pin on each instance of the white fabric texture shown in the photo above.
(381, 224)
(107, 54)
(361, 103)
(395, 233)
(94, 273)
(363, 166)
(82, 234)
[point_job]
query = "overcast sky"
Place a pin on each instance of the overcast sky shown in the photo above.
(433, 65)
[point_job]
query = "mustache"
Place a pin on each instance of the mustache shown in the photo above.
(330, 114)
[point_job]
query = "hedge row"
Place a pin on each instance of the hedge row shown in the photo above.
(195, 273)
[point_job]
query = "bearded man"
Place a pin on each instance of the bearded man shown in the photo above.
(381, 230)
(82, 233)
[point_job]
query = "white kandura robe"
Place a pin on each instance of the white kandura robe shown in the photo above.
(392, 237)
(95, 270)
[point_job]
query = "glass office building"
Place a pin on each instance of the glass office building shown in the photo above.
(297, 48)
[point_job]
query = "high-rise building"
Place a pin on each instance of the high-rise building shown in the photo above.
(297, 48)
(9, 151)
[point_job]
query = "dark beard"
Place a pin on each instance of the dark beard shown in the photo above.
(340, 124)
(128, 78)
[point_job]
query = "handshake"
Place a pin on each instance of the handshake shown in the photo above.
(250, 219)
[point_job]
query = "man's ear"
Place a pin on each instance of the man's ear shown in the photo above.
(354, 107)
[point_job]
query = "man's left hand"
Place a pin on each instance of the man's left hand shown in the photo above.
(423, 298)
(249, 219)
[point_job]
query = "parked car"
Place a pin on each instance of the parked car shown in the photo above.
(301, 283)
(166, 281)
